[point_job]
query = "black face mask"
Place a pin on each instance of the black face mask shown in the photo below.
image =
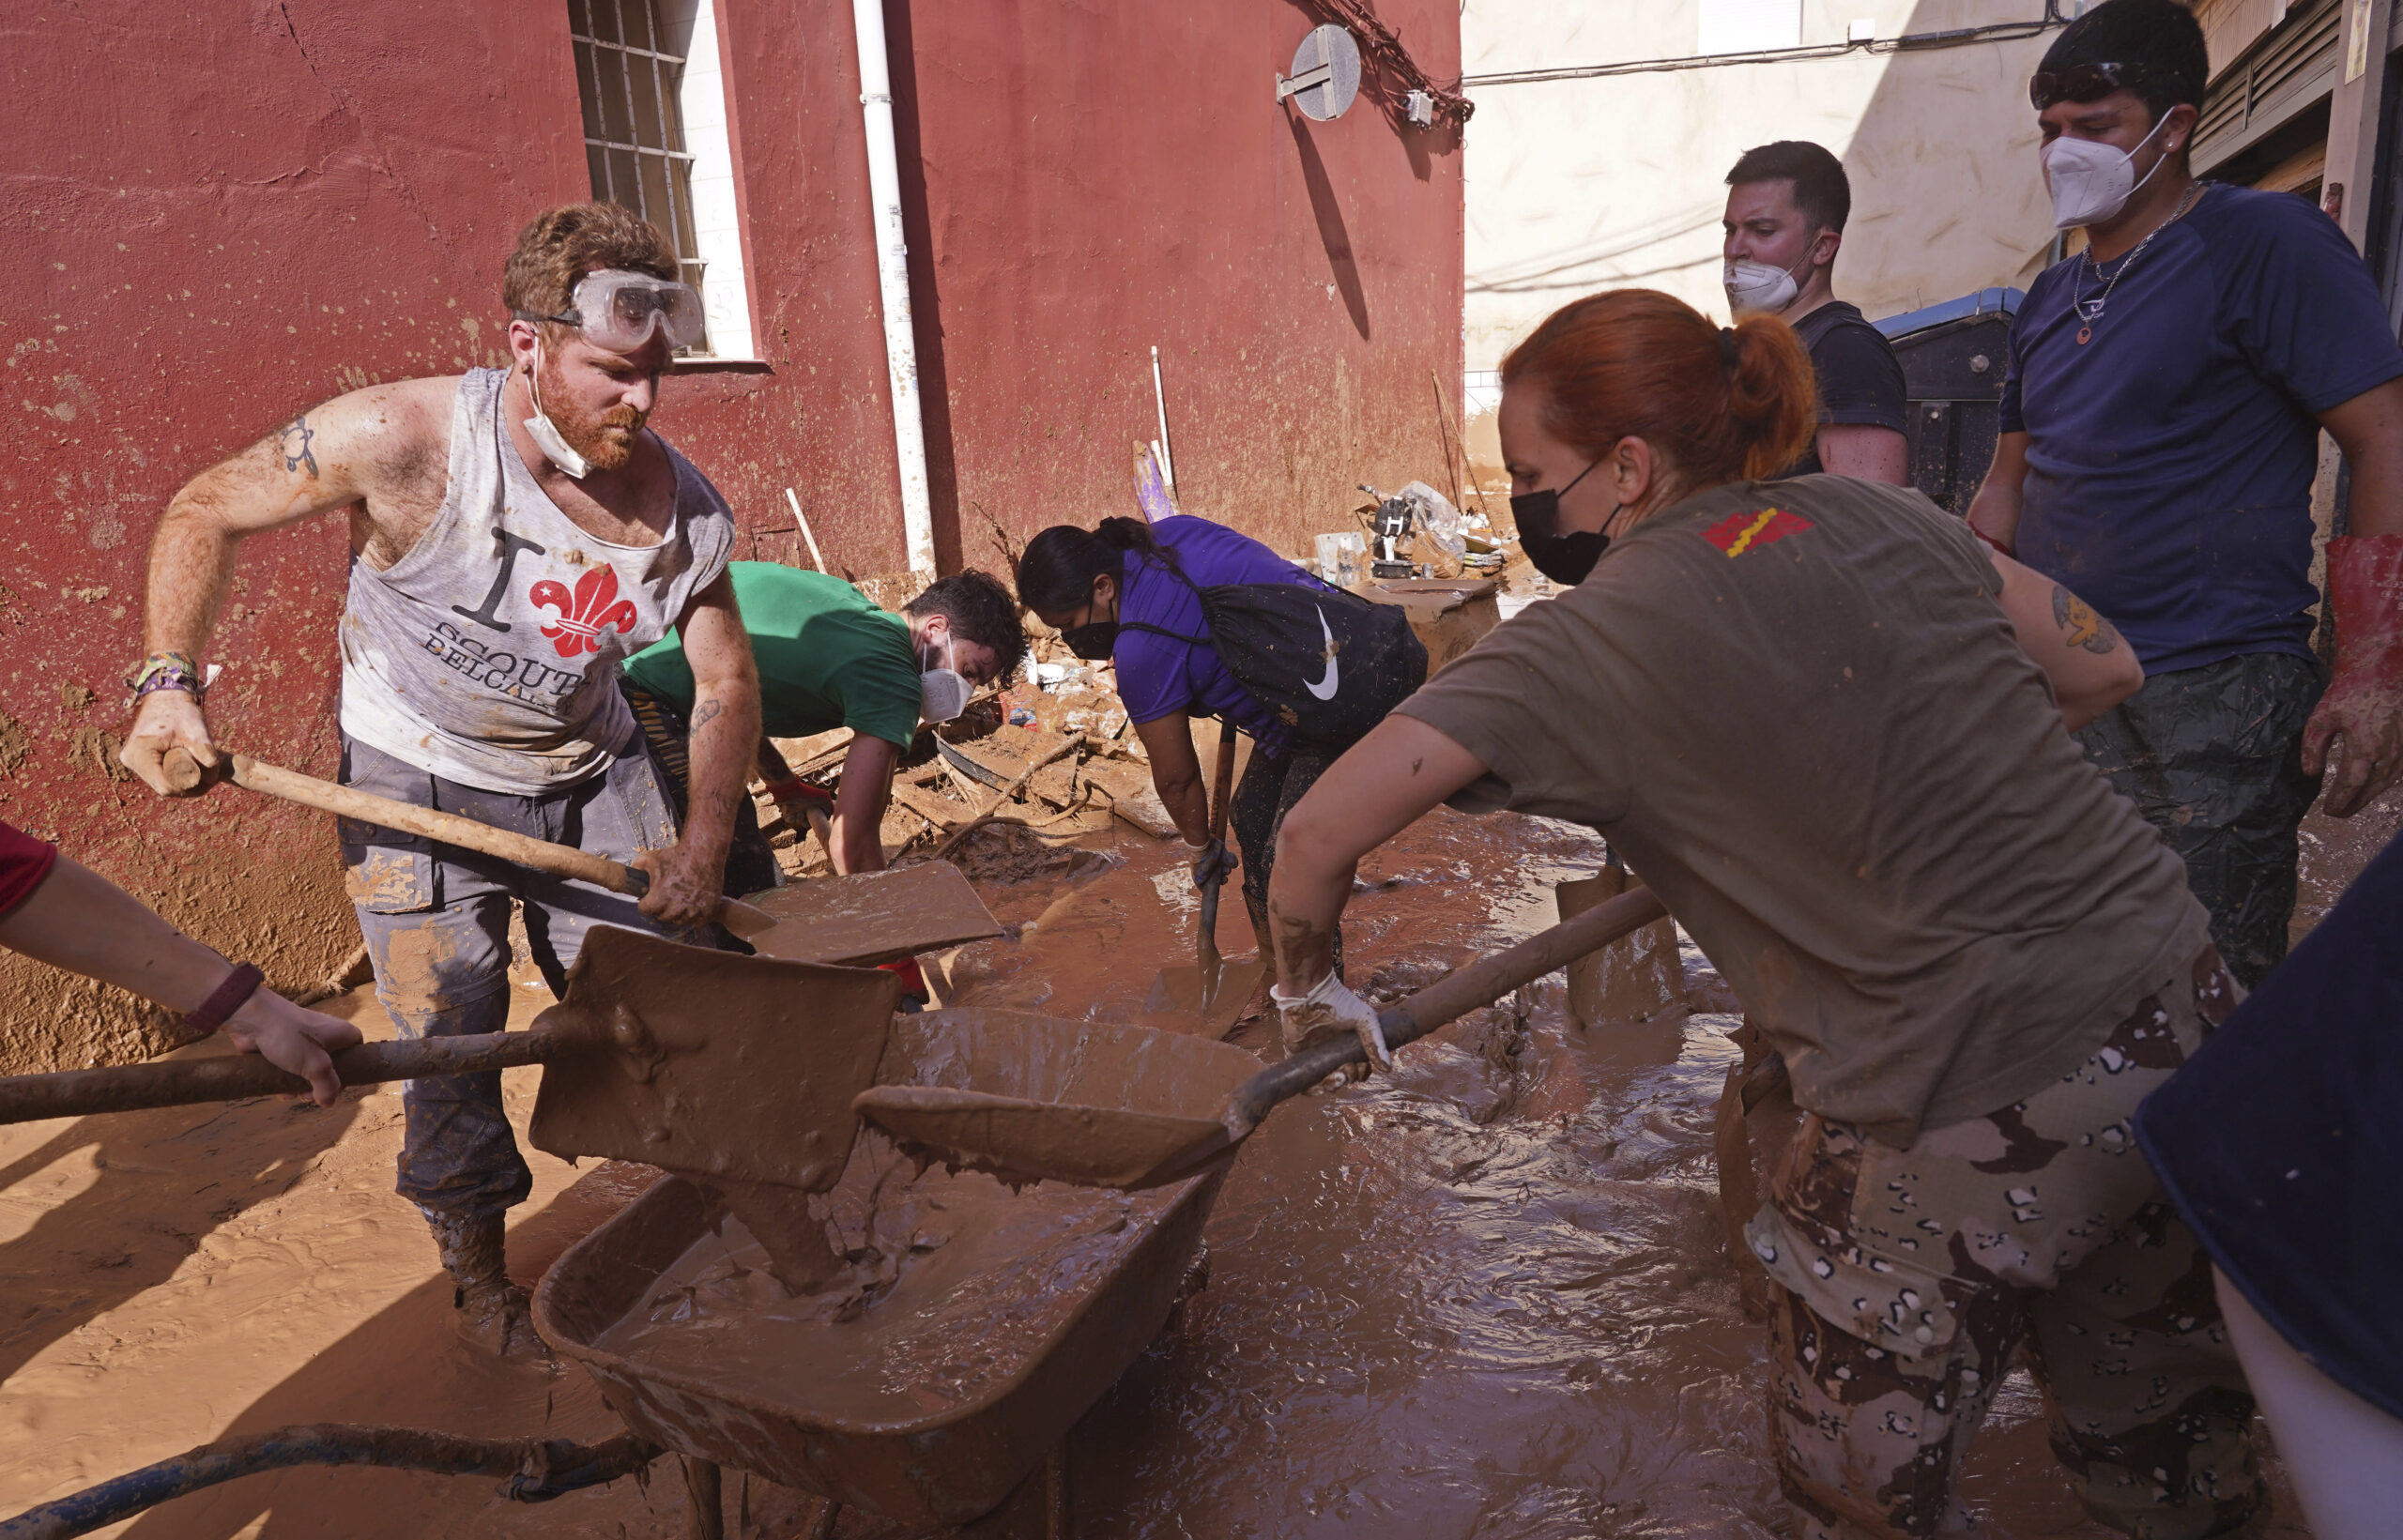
(1093, 641)
(1563, 558)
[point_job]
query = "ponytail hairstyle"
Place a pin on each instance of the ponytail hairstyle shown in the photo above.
(1056, 571)
(1721, 404)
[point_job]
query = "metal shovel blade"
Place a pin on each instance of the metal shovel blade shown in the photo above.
(709, 1063)
(1028, 1097)
(1212, 993)
(874, 917)
(1213, 999)
(1636, 978)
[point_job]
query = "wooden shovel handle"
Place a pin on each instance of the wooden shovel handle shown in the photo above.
(1222, 784)
(1221, 798)
(449, 827)
(257, 775)
(77, 1093)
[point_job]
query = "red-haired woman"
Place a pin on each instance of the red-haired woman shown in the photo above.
(1828, 728)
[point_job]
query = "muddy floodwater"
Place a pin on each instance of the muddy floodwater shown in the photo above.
(1486, 1298)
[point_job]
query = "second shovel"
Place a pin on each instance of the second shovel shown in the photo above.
(1213, 991)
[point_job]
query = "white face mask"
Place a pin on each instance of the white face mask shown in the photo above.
(1756, 286)
(943, 693)
(2090, 181)
(546, 434)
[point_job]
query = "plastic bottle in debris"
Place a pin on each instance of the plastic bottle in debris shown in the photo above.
(1444, 533)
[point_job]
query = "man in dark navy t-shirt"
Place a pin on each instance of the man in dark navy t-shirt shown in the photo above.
(1786, 207)
(2160, 424)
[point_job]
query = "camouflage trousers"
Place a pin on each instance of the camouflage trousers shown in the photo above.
(1904, 1281)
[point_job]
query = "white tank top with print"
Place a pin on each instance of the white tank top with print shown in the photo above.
(489, 654)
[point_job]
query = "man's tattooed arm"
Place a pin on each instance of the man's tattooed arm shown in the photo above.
(295, 445)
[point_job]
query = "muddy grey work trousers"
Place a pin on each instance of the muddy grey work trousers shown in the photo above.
(437, 923)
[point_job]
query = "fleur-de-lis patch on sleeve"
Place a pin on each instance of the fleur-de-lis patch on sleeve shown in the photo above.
(594, 608)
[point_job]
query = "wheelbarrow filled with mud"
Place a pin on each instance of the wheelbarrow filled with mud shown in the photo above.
(960, 1328)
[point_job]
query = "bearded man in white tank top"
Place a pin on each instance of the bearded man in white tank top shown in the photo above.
(515, 535)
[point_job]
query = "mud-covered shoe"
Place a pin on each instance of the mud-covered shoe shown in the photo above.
(498, 1321)
(493, 1313)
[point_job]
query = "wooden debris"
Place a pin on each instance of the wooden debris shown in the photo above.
(992, 810)
(817, 752)
(942, 812)
(1128, 786)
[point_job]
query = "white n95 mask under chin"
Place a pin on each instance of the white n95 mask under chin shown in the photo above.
(1756, 286)
(943, 693)
(2090, 181)
(546, 434)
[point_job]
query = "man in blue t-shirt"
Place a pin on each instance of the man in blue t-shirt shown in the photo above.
(2160, 429)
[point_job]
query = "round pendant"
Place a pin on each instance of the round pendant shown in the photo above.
(2083, 334)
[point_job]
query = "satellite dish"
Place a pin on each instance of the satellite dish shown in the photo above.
(1327, 73)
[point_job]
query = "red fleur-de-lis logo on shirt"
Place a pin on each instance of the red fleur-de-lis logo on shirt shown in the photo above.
(594, 608)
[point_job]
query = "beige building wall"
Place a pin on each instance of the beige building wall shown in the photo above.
(1581, 185)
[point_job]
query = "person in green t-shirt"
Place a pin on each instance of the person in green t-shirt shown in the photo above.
(828, 658)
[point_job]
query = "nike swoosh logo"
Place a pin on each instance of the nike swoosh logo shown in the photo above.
(1324, 689)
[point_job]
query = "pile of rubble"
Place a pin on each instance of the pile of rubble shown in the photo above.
(1051, 755)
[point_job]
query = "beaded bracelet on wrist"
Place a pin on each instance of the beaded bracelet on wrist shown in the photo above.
(171, 678)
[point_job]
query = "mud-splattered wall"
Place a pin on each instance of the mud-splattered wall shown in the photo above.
(221, 214)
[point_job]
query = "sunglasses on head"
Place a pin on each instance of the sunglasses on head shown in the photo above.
(2084, 83)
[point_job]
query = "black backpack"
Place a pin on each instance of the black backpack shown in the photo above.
(1327, 664)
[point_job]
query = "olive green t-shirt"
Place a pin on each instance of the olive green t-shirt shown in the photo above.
(828, 657)
(1798, 711)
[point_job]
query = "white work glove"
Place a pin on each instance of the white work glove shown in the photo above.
(1327, 1010)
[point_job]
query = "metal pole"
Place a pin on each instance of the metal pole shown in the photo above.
(1159, 398)
(892, 284)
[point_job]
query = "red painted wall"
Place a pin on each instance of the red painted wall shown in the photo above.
(220, 215)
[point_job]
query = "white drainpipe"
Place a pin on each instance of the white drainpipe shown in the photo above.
(893, 280)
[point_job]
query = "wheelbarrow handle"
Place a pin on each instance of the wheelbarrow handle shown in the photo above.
(566, 861)
(75, 1093)
(1456, 994)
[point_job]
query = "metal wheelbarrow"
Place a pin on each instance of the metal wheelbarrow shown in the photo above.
(959, 1373)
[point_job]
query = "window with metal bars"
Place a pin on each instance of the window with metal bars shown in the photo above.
(630, 70)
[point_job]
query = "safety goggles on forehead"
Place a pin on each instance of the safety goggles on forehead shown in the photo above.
(620, 311)
(2084, 83)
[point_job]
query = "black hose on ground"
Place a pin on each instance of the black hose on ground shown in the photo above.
(538, 1469)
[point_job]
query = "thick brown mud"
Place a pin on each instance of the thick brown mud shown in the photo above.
(952, 1285)
(1485, 1298)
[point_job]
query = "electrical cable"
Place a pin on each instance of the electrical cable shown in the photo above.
(1378, 42)
(1909, 43)
(538, 1469)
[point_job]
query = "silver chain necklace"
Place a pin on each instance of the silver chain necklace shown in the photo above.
(2090, 310)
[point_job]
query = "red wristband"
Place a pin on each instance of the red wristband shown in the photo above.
(1992, 542)
(239, 985)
